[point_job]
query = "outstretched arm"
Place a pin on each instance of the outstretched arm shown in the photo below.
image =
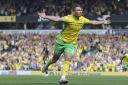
(94, 22)
(52, 18)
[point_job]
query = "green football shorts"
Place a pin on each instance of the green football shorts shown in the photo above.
(63, 47)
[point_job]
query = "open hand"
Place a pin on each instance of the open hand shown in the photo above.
(107, 21)
(42, 14)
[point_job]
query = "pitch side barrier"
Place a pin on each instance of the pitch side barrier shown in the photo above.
(58, 73)
(120, 32)
(88, 31)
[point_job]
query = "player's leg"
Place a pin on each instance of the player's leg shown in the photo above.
(68, 53)
(58, 50)
(65, 69)
(51, 61)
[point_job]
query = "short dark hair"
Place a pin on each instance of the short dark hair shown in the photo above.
(76, 5)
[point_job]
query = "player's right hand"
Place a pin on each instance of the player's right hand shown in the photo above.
(42, 14)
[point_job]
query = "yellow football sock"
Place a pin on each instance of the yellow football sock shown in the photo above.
(65, 68)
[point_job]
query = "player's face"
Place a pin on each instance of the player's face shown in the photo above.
(78, 11)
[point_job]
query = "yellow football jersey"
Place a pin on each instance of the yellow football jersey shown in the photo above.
(71, 29)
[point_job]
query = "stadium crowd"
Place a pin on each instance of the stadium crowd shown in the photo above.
(63, 7)
(95, 53)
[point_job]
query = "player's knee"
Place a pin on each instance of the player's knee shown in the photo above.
(67, 58)
(55, 58)
(54, 61)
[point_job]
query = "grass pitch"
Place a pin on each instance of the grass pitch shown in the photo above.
(73, 80)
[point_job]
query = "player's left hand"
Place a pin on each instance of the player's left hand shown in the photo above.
(107, 22)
